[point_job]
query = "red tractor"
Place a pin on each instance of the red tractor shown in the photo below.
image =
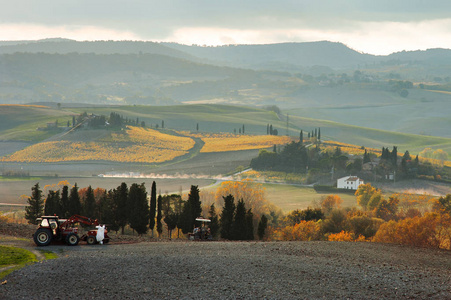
(51, 228)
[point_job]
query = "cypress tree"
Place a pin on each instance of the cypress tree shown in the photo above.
(366, 157)
(227, 214)
(35, 206)
(109, 208)
(64, 203)
(153, 206)
(249, 225)
(301, 137)
(214, 224)
(394, 156)
(159, 217)
(52, 203)
(319, 134)
(239, 231)
(74, 204)
(191, 210)
(120, 200)
(262, 227)
(89, 204)
(139, 208)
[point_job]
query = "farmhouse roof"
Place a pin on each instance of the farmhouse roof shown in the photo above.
(350, 178)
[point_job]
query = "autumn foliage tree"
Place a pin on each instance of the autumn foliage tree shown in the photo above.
(431, 230)
(252, 194)
(365, 193)
(331, 202)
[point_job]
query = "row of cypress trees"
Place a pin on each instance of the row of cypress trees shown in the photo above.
(123, 206)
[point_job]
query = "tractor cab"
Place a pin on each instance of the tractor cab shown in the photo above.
(202, 230)
(50, 222)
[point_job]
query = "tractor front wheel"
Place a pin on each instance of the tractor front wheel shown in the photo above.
(42, 237)
(91, 240)
(72, 239)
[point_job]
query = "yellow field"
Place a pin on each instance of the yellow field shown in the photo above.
(223, 142)
(23, 105)
(138, 145)
(350, 149)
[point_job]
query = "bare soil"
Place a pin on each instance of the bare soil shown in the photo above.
(233, 270)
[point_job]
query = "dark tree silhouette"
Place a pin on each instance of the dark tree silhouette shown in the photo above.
(35, 206)
(191, 210)
(153, 206)
(139, 209)
(89, 204)
(262, 224)
(239, 231)
(74, 204)
(227, 214)
(214, 224)
(159, 216)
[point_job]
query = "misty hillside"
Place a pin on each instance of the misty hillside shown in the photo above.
(272, 56)
(333, 55)
(64, 46)
(321, 80)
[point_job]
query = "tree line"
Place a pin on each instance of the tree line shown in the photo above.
(129, 206)
(317, 161)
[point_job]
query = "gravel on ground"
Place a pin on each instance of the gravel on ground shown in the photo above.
(234, 270)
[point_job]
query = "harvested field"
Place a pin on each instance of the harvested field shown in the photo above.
(235, 270)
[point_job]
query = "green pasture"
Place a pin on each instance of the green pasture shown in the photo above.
(372, 138)
(20, 123)
(211, 118)
(291, 197)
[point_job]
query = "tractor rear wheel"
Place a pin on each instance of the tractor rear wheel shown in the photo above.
(72, 239)
(91, 240)
(42, 237)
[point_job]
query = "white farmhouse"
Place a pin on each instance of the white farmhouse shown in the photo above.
(349, 182)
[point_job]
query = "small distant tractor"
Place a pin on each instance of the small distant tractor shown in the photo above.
(52, 228)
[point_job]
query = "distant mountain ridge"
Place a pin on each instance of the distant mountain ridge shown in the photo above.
(64, 46)
(323, 53)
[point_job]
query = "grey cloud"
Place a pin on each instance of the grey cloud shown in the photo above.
(155, 19)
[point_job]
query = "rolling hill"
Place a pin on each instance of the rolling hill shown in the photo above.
(212, 119)
(318, 80)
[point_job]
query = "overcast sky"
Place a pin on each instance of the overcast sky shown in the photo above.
(370, 26)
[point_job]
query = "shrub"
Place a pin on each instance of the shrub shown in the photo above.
(303, 231)
(345, 236)
(432, 230)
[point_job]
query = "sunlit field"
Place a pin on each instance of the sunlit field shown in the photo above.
(232, 142)
(137, 145)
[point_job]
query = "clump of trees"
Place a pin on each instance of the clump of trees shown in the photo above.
(319, 162)
(403, 219)
(236, 221)
(128, 206)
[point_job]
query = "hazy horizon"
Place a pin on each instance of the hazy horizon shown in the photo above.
(375, 28)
